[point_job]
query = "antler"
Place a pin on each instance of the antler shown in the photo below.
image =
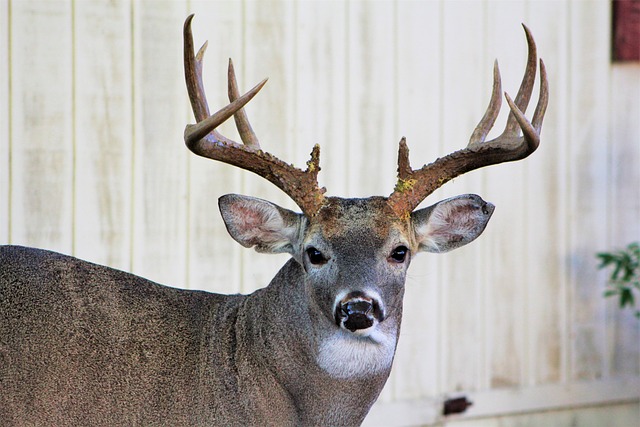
(204, 140)
(413, 186)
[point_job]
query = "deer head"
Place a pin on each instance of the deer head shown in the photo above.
(353, 254)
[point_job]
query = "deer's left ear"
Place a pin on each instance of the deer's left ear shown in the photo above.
(451, 223)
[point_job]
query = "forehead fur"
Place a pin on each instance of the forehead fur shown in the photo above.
(341, 217)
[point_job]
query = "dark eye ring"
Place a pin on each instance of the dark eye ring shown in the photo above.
(399, 254)
(315, 256)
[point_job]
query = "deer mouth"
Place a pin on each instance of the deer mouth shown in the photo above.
(357, 312)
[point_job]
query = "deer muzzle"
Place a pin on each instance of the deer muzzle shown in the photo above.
(357, 311)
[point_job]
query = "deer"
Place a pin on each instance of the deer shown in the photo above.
(85, 344)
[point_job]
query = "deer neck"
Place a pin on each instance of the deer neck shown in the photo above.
(292, 343)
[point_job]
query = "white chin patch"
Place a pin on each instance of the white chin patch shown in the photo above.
(347, 354)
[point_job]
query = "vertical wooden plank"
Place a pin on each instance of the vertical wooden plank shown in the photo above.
(160, 159)
(464, 99)
(504, 307)
(587, 156)
(269, 46)
(546, 206)
(372, 139)
(321, 82)
(5, 106)
(623, 350)
(41, 124)
(103, 131)
(418, 44)
(214, 258)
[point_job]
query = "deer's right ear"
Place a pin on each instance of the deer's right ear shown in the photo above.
(256, 222)
(451, 223)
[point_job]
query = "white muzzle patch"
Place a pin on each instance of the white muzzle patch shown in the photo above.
(353, 353)
(346, 355)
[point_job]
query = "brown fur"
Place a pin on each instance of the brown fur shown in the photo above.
(83, 344)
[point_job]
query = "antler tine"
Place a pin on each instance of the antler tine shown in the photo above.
(490, 116)
(207, 126)
(193, 73)
(247, 134)
(530, 130)
(526, 87)
(543, 99)
(415, 185)
(203, 139)
(197, 95)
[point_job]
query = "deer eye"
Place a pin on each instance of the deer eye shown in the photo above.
(399, 254)
(315, 256)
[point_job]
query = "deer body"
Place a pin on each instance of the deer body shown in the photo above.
(83, 344)
(153, 356)
(157, 355)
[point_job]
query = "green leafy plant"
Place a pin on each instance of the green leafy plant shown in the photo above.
(624, 281)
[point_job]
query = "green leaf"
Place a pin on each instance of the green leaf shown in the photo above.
(626, 298)
(610, 293)
(624, 277)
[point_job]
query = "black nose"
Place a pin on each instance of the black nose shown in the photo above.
(357, 311)
(357, 315)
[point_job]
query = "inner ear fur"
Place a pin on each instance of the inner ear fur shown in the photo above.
(451, 223)
(258, 223)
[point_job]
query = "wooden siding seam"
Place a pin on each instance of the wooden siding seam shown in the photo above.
(135, 129)
(74, 129)
(7, 188)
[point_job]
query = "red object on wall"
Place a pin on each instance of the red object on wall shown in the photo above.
(626, 30)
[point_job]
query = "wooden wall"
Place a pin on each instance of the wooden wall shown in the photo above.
(93, 105)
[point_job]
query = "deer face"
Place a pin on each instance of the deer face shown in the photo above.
(355, 254)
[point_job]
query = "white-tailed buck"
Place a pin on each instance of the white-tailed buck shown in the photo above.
(86, 345)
